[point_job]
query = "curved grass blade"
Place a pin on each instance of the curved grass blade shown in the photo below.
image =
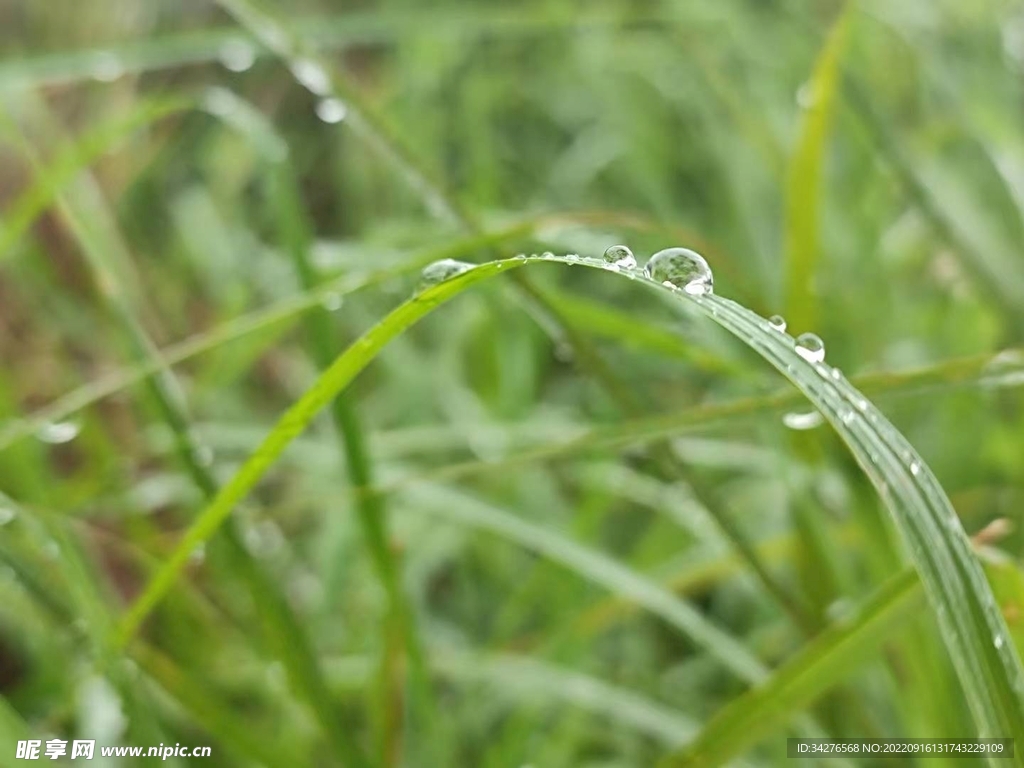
(804, 179)
(973, 628)
(292, 423)
(819, 665)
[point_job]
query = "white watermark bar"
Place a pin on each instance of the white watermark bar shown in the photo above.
(86, 749)
(900, 748)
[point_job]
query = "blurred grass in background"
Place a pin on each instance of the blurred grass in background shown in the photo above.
(469, 560)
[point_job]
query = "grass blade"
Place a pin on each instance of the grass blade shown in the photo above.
(803, 186)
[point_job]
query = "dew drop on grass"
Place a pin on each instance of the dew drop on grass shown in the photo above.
(237, 55)
(681, 268)
(58, 432)
(998, 642)
(620, 256)
(810, 347)
(802, 421)
(312, 76)
(777, 322)
(331, 110)
(915, 468)
(331, 302)
(439, 271)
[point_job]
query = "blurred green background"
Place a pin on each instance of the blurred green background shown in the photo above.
(494, 550)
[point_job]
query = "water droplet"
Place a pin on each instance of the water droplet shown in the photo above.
(331, 301)
(862, 404)
(847, 415)
(57, 432)
(331, 110)
(312, 76)
(620, 256)
(998, 642)
(106, 67)
(777, 322)
(7, 515)
(810, 347)
(203, 454)
(442, 270)
(802, 421)
(836, 374)
(237, 55)
(681, 268)
(915, 468)
(805, 96)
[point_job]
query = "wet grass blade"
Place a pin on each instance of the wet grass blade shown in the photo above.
(804, 183)
(973, 628)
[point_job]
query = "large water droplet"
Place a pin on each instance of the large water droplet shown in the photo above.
(57, 432)
(810, 347)
(620, 256)
(312, 75)
(777, 322)
(331, 110)
(802, 421)
(681, 268)
(442, 270)
(237, 55)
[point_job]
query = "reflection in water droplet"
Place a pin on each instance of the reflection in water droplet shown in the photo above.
(331, 301)
(331, 110)
(237, 55)
(915, 468)
(106, 67)
(681, 268)
(442, 270)
(620, 256)
(802, 421)
(778, 322)
(810, 347)
(312, 76)
(57, 432)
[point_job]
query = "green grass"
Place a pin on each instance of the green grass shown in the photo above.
(256, 492)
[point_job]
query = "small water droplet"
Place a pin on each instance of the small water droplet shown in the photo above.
(802, 421)
(847, 415)
(57, 432)
(998, 642)
(312, 76)
(331, 110)
(106, 67)
(681, 268)
(331, 301)
(862, 404)
(836, 374)
(620, 256)
(777, 322)
(810, 347)
(439, 271)
(915, 468)
(203, 455)
(237, 55)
